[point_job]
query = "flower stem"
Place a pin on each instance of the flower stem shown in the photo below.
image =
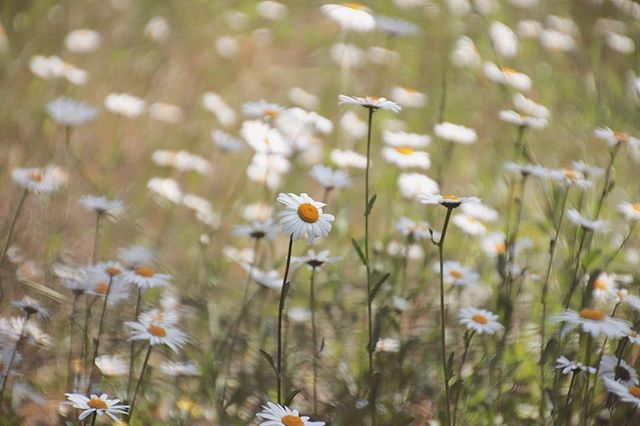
(13, 355)
(95, 239)
(574, 278)
(314, 338)
(132, 350)
(100, 328)
(283, 296)
(93, 420)
(70, 375)
(12, 226)
(144, 369)
(467, 345)
(565, 412)
(443, 350)
(585, 403)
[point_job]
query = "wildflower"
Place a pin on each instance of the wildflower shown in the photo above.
(587, 169)
(179, 369)
(529, 107)
(330, 178)
(40, 180)
(414, 185)
(617, 369)
(112, 365)
(157, 333)
(102, 205)
(69, 112)
(263, 138)
(631, 211)
(626, 394)
(268, 279)
(455, 133)
(181, 160)
(614, 137)
(569, 177)
(449, 201)
(96, 405)
(494, 244)
(371, 102)
(52, 67)
(166, 188)
(527, 169)
(573, 366)
(457, 274)
(136, 256)
(281, 415)
(316, 260)
(480, 320)
(406, 157)
(593, 225)
(388, 345)
(507, 76)
(556, 40)
(604, 287)
(82, 41)
(166, 112)
(303, 217)
(301, 97)
(262, 109)
(408, 98)
(465, 54)
(299, 314)
(258, 230)
(480, 211)
(414, 231)
(403, 139)
(157, 29)
(125, 104)
(396, 27)
(30, 307)
(225, 142)
(592, 321)
(216, 105)
(145, 277)
(469, 224)
(348, 159)
(520, 120)
(351, 16)
(503, 39)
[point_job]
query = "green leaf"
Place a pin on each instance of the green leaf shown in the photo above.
(450, 365)
(291, 396)
(359, 251)
(370, 204)
(377, 286)
(269, 359)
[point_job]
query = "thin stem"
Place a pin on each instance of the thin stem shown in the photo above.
(132, 349)
(467, 345)
(621, 246)
(100, 328)
(12, 226)
(70, 354)
(565, 412)
(607, 179)
(443, 350)
(95, 239)
(585, 403)
(13, 355)
(574, 277)
(314, 338)
(144, 368)
(93, 420)
(283, 296)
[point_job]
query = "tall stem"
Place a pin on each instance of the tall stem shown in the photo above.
(70, 354)
(314, 338)
(607, 179)
(574, 278)
(467, 345)
(12, 226)
(144, 368)
(96, 347)
(585, 402)
(565, 413)
(443, 350)
(283, 296)
(94, 253)
(132, 349)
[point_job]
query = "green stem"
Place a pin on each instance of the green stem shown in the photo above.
(576, 269)
(14, 352)
(283, 295)
(585, 402)
(132, 349)
(139, 384)
(12, 226)
(314, 338)
(443, 350)
(100, 328)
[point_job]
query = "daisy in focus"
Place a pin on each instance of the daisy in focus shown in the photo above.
(566, 366)
(480, 320)
(157, 333)
(373, 103)
(281, 415)
(97, 405)
(594, 322)
(303, 217)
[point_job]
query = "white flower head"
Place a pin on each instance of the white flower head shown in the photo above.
(611, 367)
(351, 16)
(304, 217)
(593, 225)
(98, 405)
(408, 97)
(507, 76)
(415, 185)
(449, 201)
(330, 178)
(592, 321)
(626, 394)
(347, 159)
(157, 333)
(82, 40)
(567, 366)
(69, 112)
(480, 320)
(457, 274)
(469, 224)
(373, 103)
(281, 415)
(125, 104)
(40, 180)
(102, 205)
(455, 133)
(316, 260)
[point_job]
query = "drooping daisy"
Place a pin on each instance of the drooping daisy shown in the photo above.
(125, 104)
(570, 177)
(530, 107)
(626, 394)
(593, 225)
(303, 217)
(455, 133)
(281, 415)
(157, 333)
(316, 260)
(266, 229)
(102, 205)
(40, 180)
(145, 277)
(449, 201)
(351, 16)
(405, 157)
(566, 366)
(611, 367)
(457, 274)
(100, 405)
(592, 321)
(330, 178)
(371, 102)
(480, 320)
(614, 137)
(69, 112)
(469, 224)
(413, 185)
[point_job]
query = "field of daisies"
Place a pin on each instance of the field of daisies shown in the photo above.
(301, 213)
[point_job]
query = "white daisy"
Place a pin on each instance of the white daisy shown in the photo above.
(570, 177)
(414, 231)
(480, 320)
(269, 279)
(507, 76)
(520, 120)
(457, 274)
(604, 287)
(179, 369)
(112, 365)
(400, 304)
(455, 133)
(226, 142)
(396, 27)
(99, 405)
(216, 105)
(351, 16)
(469, 224)
(145, 277)
(631, 211)
(465, 54)
(262, 109)
(527, 169)
(413, 185)
(626, 394)
(136, 256)
(614, 137)
(125, 104)
(258, 230)
(503, 39)
(449, 201)
(633, 302)
(587, 170)
(593, 225)
(302, 98)
(166, 188)
(494, 244)
(408, 97)
(30, 306)
(530, 107)
(592, 321)
(406, 157)
(388, 345)
(299, 314)
(157, 333)
(330, 178)
(181, 160)
(281, 415)
(403, 139)
(348, 159)
(617, 369)
(371, 102)
(41, 180)
(264, 139)
(480, 211)
(304, 217)
(102, 205)
(69, 112)
(568, 366)
(316, 260)
(82, 40)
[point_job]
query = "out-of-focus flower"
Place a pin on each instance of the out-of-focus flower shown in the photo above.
(455, 133)
(181, 160)
(82, 41)
(40, 180)
(396, 27)
(508, 76)
(330, 178)
(102, 205)
(216, 105)
(413, 185)
(157, 29)
(408, 97)
(351, 16)
(165, 112)
(465, 54)
(125, 104)
(69, 112)
(503, 39)
(348, 159)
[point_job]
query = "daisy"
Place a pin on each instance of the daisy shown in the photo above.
(567, 366)
(262, 109)
(465, 54)
(157, 333)
(30, 307)
(330, 178)
(614, 137)
(480, 211)
(98, 405)
(503, 39)
(257, 211)
(388, 345)
(41, 180)
(302, 98)
(396, 27)
(165, 112)
(480, 320)
(347, 159)
(527, 169)
(125, 104)
(258, 230)
(617, 369)
(112, 365)
(281, 415)
(136, 256)
(166, 188)
(413, 185)
(457, 274)
(570, 177)
(507, 76)
(604, 287)
(587, 170)
(102, 205)
(104, 285)
(315, 260)
(400, 304)
(631, 211)
(631, 394)
(263, 138)
(269, 279)
(82, 40)
(529, 107)
(593, 225)
(69, 112)
(145, 277)
(408, 97)
(371, 102)
(520, 120)
(494, 244)
(217, 106)
(303, 217)
(633, 301)
(181, 160)
(448, 201)
(406, 157)
(226, 142)
(403, 139)
(179, 369)
(455, 133)
(168, 317)
(351, 16)
(592, 321)
(414, 231)
(469, 224)
(556, 40)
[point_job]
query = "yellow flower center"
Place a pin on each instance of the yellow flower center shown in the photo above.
(456, 274)
(113, 271)
(308, 212)
(636, 207)
(591, 314)
(480, 319)
(271, 113)
(102, 288)
(600, 284)
(156, 330)
(36, 177)
(635, 391)
(405, 150)
(508, 70)
(501, 247)
(621, 136)
(98, 404)
(570, 174)
(633, 333)
(290, 420)
(144, 271)
(450, 198)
